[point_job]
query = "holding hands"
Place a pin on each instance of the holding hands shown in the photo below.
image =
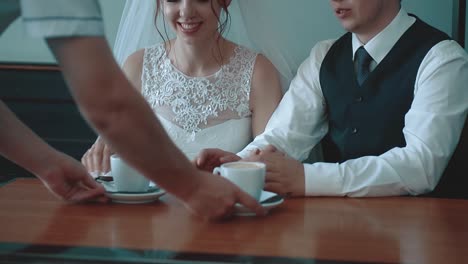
(284, 174)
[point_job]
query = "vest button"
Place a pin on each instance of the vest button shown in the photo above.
(354, 131)
(358, 99)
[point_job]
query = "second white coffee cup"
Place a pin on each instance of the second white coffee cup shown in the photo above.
(126, 178)
(249, 176)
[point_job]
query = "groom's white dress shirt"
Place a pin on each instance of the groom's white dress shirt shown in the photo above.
(432, 125)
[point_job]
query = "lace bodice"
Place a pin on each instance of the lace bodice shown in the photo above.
(195, 103)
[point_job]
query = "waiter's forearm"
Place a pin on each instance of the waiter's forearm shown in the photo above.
(22, 146)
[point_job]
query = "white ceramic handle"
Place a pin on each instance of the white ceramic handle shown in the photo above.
(217, 170)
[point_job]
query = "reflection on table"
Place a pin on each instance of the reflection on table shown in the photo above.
(37, 226)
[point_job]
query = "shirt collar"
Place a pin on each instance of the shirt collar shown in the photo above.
(380, 45)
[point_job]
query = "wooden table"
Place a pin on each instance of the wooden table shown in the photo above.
(34, 225)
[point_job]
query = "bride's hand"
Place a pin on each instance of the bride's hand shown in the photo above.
(208, 159)
(97, 158)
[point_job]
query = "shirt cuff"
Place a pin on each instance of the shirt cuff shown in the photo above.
(64, 28)
(323, 179)
(246, 151)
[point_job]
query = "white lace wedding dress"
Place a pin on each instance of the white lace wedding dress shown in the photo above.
(201, 112)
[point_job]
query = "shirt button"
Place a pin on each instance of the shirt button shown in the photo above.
(358, 99)
(354, 131)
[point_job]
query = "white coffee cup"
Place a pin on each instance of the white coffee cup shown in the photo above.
(126, 178)
(249, 176)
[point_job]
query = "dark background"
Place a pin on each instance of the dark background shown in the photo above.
(38, 95)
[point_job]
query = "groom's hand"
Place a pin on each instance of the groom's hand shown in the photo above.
(284, 174)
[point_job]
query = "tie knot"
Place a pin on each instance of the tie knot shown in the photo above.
(363, 59)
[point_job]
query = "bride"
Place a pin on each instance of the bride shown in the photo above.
(207, 91)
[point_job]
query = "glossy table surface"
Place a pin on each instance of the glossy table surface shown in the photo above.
(35, 227)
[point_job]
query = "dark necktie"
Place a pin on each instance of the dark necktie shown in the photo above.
(363, 60)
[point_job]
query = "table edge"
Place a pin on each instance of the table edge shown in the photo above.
(24, 253)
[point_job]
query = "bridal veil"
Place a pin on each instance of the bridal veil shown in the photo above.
(256, 24)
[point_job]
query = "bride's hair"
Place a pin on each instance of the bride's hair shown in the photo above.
(223, 25)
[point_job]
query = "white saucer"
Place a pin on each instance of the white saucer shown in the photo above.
(149, 196)
(275, 200)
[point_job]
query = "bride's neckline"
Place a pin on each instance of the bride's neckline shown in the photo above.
(214, 74)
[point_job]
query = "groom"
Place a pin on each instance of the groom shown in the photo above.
(388, 101)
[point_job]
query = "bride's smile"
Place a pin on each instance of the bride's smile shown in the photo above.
(192, 18)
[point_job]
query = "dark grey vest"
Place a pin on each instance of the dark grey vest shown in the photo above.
(369, 120)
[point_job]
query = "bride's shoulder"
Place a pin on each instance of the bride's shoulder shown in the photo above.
(261, 62)
(132, 67)
(135, 59)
